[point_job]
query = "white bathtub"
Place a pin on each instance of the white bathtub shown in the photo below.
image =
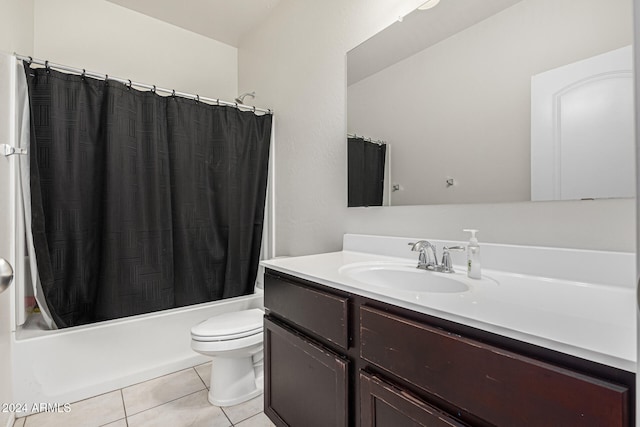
(76, 363)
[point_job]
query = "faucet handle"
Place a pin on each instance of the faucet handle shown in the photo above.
(447, 266)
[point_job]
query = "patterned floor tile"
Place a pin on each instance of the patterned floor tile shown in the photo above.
(96, 411)
(205, 373)
(158, 391)
(244, 410)
(260, 420)
(193, 410)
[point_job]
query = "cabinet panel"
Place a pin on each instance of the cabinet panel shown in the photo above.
(501, 387)
(305, 384)
(384, 405)
(322, 313)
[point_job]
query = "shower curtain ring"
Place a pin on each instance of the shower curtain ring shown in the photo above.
(84, 74)
(197, 98)
(30, 60)
(218, 102)
(254, 108)
(129, 85)
(46, 66)
(154, 89)
(173, 93)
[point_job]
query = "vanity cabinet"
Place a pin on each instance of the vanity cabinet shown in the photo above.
(383, 404)
(306, 382)
(497, 385)
(334, 358)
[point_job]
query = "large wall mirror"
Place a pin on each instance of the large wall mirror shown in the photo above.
(496, 101)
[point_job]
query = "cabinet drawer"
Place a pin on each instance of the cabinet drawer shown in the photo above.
(501, 387)
(322, 313)
(383, 404)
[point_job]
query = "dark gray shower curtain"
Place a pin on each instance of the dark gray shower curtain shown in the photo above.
(141, 202)
(365, 163)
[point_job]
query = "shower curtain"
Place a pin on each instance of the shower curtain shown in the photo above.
(366, 162)
(141, 202)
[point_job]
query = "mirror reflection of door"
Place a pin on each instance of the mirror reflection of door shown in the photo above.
(582, 137)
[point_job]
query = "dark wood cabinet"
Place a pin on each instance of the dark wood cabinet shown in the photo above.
(385, 405)
(306, 383)
(478, 376)
(319, 313)
(334, 358)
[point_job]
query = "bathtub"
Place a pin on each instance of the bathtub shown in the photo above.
(72, 364)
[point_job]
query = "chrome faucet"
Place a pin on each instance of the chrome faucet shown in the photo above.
(428, 260)
(447, 266)
(425, 261)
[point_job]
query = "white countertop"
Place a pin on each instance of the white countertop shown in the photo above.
(592, 321)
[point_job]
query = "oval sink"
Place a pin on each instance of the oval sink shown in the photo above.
(404, 278)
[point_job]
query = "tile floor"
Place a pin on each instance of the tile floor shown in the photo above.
(174, 400)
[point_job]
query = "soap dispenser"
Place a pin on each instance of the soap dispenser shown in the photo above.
(473, 256)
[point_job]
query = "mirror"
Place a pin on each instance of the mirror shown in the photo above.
(478, 101)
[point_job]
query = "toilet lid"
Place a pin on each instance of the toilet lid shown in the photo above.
(232, 325)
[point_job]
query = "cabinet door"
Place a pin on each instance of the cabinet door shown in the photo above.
(496, 385)
(384, 405)
(305, 384)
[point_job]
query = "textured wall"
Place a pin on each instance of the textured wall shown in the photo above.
(106, 38)
(16, 26)
(296, 63)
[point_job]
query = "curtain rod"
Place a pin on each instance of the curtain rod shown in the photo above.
(129, 83)
(374, 141)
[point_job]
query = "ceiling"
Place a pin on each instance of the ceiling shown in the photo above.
(416, 32)
(224, 20)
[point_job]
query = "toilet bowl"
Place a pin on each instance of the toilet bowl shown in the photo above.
(234, 342)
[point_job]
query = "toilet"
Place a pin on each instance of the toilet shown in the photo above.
(234, 341)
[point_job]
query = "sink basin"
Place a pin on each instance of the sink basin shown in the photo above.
(404, 278)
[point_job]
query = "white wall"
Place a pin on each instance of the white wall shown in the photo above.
(461, 108)
(16, 34)
(6, 238)
(106, 38)
(296, 63)
(636, 21)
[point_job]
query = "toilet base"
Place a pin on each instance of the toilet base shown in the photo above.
(241, 399)
(233, 381)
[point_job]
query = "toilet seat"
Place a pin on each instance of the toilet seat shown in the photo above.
(229, 326)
